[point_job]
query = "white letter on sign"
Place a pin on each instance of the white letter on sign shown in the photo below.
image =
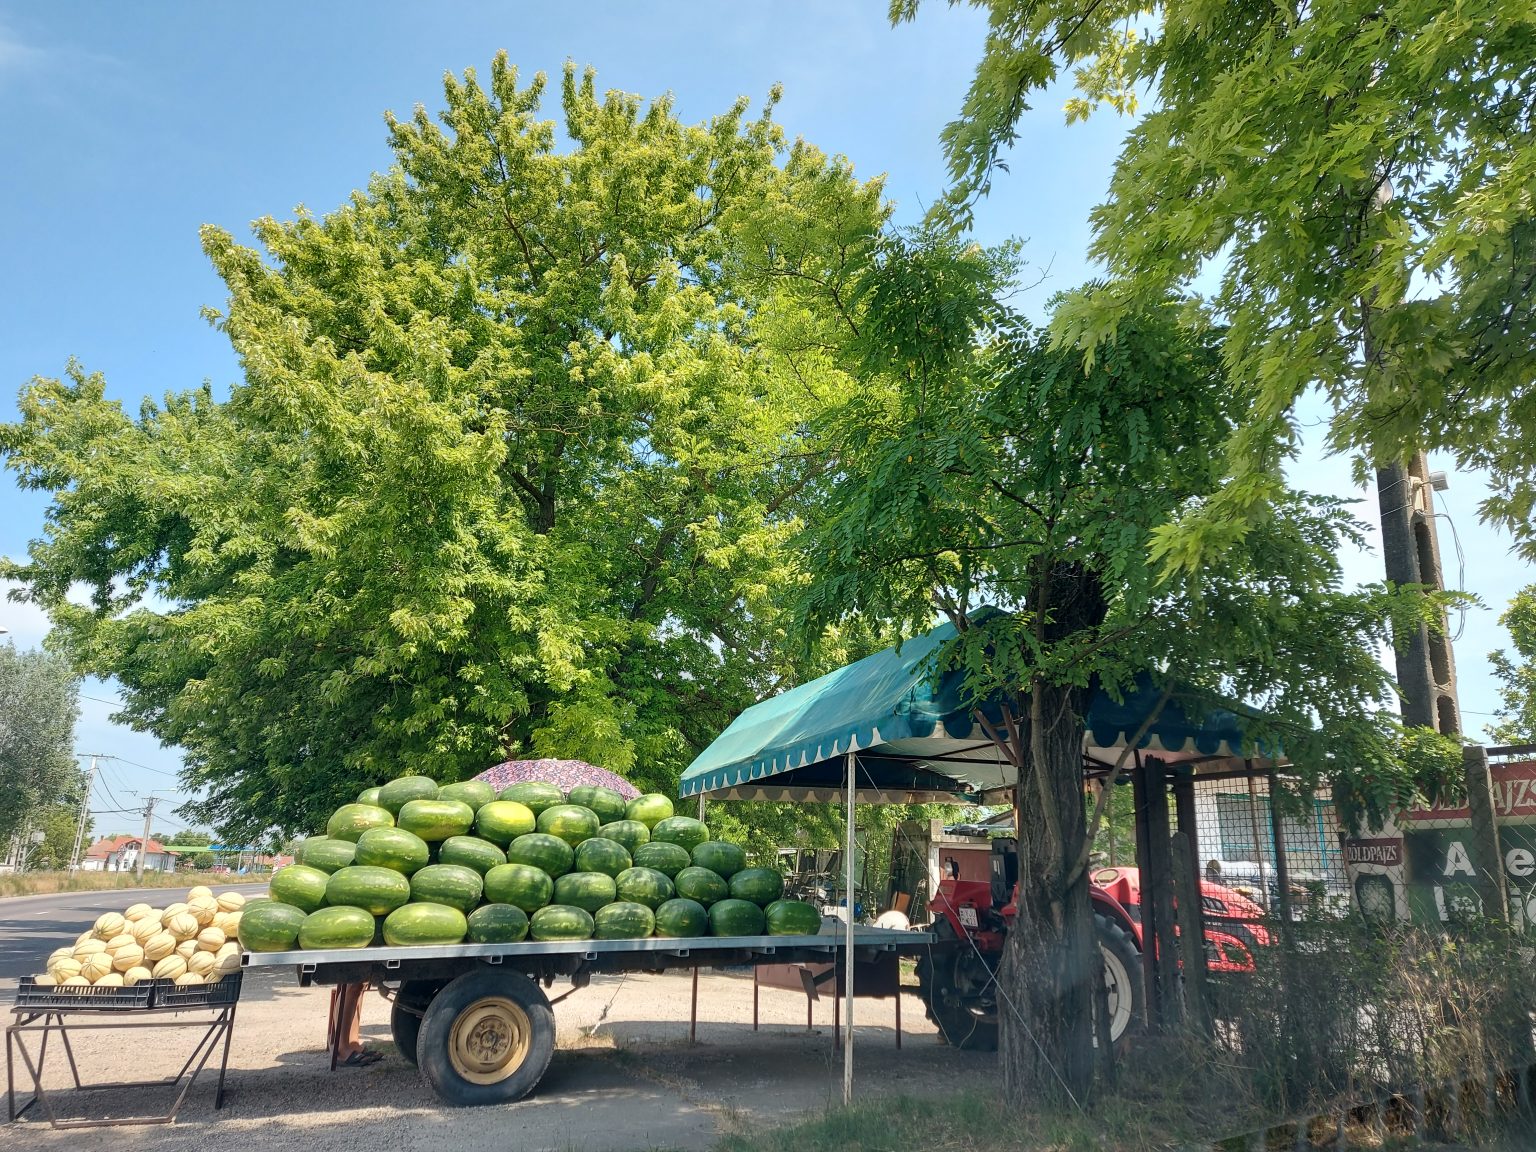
(1457, 861)
(1520, 862)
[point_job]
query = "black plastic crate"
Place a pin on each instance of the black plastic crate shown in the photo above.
(30, 997)
(169, 994)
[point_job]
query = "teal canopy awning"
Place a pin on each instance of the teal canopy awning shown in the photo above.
(917, 742)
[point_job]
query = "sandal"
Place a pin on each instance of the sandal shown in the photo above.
(362, 1059)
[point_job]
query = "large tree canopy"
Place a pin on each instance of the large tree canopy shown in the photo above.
(1354, 177)
(39, 702)
(506, 472)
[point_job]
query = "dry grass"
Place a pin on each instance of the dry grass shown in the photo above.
(44, 883)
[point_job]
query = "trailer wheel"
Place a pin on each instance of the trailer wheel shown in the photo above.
(405, 1014)
(486, 1038)
(1122, 980)
(956, 984)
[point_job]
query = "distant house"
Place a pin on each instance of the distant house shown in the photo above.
(121, 854)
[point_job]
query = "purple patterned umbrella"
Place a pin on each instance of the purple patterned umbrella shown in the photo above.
(563, 774)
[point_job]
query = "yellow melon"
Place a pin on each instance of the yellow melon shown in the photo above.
(190, 978)
(205, 908)
(227, 959)
(230, 901)
(121, 940)
(137, 912)
(45, 981)
(88, 935)
(199, 892)
(200, 962)
(137, 976)
(169, 968)
(75, 982)
(61, 953)
(110, 924)
(186, 948)
(171, 909)
(89, 948)
(125, 958)
(110, 980)
(144, 927)
(183, 925)
(211, 939)
(64, 967)
(95, 966)
(159, 946)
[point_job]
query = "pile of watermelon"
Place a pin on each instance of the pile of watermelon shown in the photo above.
(415, 863)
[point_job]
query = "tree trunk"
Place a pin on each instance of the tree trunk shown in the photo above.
(1049, 962)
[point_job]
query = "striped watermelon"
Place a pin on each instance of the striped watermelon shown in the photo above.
(393, 848)
(450, 884)
(607, 803)
(700, 884)
(497, 924)
(585, 890)
(436, 820)
(666, 858)
(398, 793)
(325, 854)
(762, 886)
(736, 918)
(338, 927)
(558, 922)
(534, 794)
(623, 920)
(547, 853)
(378, 891)
(471, 852)
(680, 919)
(351, 820)
(419, 925)
(475, 793)
(630, 833)
(601, 855)
(644, 886)
(570, 822)
(522, 885)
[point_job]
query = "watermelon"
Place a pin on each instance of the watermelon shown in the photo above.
(450, 884)
(436, 819)
(684, 830)
(785, 918)
(503, 821)
(644, 886)
(270, 927)
(623, 920)
(721, 857)
(762, 886)
(324, 853)
(571, 822)
(398, 793)
(481, 855)
(559, 922)
(601, 855)
(394, 848)
(549, 853)
(650, 809)
(351, 820)
(497, 924)
(700, 884)
(299, 885)
(416, 925)
(680, 918)
(669, 859)
(533, 794)
(336, 928)
(521, 885)
(475, 793)
(736, 918)
(378, 891)
(586, 890)
(630, 833)
(369, 796)
(607, 803)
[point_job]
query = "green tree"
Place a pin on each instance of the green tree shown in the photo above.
(997, 469)
(38, 708)
(506, 473)
(1353, 179)
(194, 837)
(1517, 674)
(58, 822)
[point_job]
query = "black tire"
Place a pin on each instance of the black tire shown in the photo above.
(1123, 981)
(405, 1014)
(953, 981)
(486, 1038)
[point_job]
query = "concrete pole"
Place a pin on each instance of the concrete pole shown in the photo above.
(85, 811)
(848, 937)
(149, 812)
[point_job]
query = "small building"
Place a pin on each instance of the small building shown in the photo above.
(121, 854)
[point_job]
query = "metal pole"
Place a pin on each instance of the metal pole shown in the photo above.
(1258, 848)
(149, 812)
(848, 937)
(85, 811)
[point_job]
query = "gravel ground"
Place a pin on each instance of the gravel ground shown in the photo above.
(624, 1075)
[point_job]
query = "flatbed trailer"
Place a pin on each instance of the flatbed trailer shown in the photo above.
(477, 1021)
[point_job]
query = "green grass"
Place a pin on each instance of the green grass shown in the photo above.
(43, 883)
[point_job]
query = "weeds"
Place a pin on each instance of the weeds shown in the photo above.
(42, 883)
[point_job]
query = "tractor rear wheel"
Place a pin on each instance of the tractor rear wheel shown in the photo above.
(957, 986)
(1122, 980)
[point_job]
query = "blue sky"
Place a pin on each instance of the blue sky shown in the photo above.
(131, 125)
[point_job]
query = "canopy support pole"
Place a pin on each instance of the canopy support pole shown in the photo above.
(848, 936)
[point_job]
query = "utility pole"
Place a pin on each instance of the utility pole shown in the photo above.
(85, 811)
(149, 813)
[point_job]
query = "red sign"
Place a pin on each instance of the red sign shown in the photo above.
(1514, 796)
(1386, 852)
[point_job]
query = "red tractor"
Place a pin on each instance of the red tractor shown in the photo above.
(971, 918)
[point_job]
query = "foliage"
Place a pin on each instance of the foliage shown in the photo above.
(506, 473)
(1420, 768)
(38, 708)
(191, 836)
(1517, 676)
(1355, 178)
(58, 823)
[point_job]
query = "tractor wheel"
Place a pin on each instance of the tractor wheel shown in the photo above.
(956, 986)
(411, 1000)
(1122, 980)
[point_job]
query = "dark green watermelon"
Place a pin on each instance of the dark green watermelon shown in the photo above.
(700, 884)
(666, 858)
(762, 886)
(560, 922)
(547, 853)
(436, 820)
(451, 884)
(300, 885)
(601, 855)
(607, 803)
(684, 830)
(503, 821)
(418, 925)
(570, 822)
(267, 926)
(650, 809)
(630, 833)
(587, 890)
(680, 919)
(792, 918)
(471, 852)
(533, 794)
(351, 820)
(341, 927)
(736, 918)
(623, 920)
(378, 891)
(721, 857)
(523, 885)
(644, 886)
(369, 796)
(325, 854)
(397, 793)
(497, 924)
(394, 848)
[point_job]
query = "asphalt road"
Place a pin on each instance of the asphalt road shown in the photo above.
(33, 926)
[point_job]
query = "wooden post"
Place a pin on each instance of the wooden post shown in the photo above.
(1157, 887)
(1282, 861)
(1186, 883)
(1187, 819)
(1152, 985)
(1483, 846)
